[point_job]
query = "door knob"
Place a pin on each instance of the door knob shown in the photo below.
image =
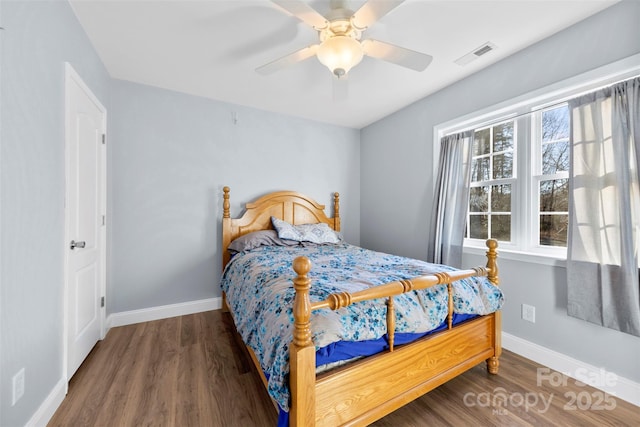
(75, 244)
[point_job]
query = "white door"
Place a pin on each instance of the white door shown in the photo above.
(84, 215)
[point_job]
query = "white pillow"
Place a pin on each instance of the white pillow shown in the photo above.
(315, 233)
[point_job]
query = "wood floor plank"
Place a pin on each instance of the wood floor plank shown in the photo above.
(155, 403)
(124, 403)
(222, 354)
(94, 384)
(188, 335)
(194, 405)
(219, 368)
(191, 371)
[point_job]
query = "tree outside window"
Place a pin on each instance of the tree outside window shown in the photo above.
(492, 177)
(553, 178)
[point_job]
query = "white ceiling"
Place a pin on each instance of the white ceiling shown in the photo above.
(211, 48)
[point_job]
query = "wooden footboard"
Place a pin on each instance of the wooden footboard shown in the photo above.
(366, 391)
(370, 389)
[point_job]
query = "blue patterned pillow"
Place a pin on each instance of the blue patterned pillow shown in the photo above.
(315, 233)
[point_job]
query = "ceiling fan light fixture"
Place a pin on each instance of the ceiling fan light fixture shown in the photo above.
(339, 54)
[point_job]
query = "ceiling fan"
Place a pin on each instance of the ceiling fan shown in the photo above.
(340, 45)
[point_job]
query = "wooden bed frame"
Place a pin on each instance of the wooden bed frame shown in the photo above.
(364, 391)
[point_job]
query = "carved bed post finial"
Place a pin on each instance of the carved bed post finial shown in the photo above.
(492, 264)
(302, 303)
(227, 227)
(336, 211)
(225, 204)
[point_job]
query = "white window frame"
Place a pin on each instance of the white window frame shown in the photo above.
(516, 108)
(513, 181)
(536, 176)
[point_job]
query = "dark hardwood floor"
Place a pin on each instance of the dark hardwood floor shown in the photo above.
(190, 371)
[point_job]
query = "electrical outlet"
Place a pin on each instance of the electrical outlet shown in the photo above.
(529, 313)
(17, 386)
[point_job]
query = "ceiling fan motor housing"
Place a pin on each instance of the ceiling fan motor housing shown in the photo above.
(340, 48)
(340, 54)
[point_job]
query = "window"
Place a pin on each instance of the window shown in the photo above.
(519, 189)
(492, 179)
(552, 176)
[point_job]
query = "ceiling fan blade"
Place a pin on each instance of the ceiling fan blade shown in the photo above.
(285, 61)
(396, 54)
(372, 11)
(303, 12)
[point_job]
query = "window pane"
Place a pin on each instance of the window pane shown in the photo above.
(480, 170)
(503, 137)
(479, 199)
(503, 165)
(555, 124)
(501, 227)
(481, 142)
(501, 198)
(554, 195)
(555, 157)
(478, 226)
(553, 230)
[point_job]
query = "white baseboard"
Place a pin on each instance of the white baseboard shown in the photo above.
(162, 312)
(599, 378)
(44, 413)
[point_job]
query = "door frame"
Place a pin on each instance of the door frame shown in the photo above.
(71, 75)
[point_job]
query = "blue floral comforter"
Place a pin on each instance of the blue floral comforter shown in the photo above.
(259, 289)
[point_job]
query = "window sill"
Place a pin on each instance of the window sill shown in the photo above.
(510, 254)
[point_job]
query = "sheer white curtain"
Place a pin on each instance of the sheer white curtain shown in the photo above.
(604, 208)
(450, 200)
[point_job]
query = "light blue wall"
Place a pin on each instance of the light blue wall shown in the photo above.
(172, 154)
(38, 38)
(397, 179)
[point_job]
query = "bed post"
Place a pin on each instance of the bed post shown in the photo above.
(493, 363)
(302, 376)
(336, 211)
(226, 225)
(226, 229)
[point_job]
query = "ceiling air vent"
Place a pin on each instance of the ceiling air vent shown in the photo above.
(476, 53)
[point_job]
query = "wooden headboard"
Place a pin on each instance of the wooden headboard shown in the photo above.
(295, 208)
